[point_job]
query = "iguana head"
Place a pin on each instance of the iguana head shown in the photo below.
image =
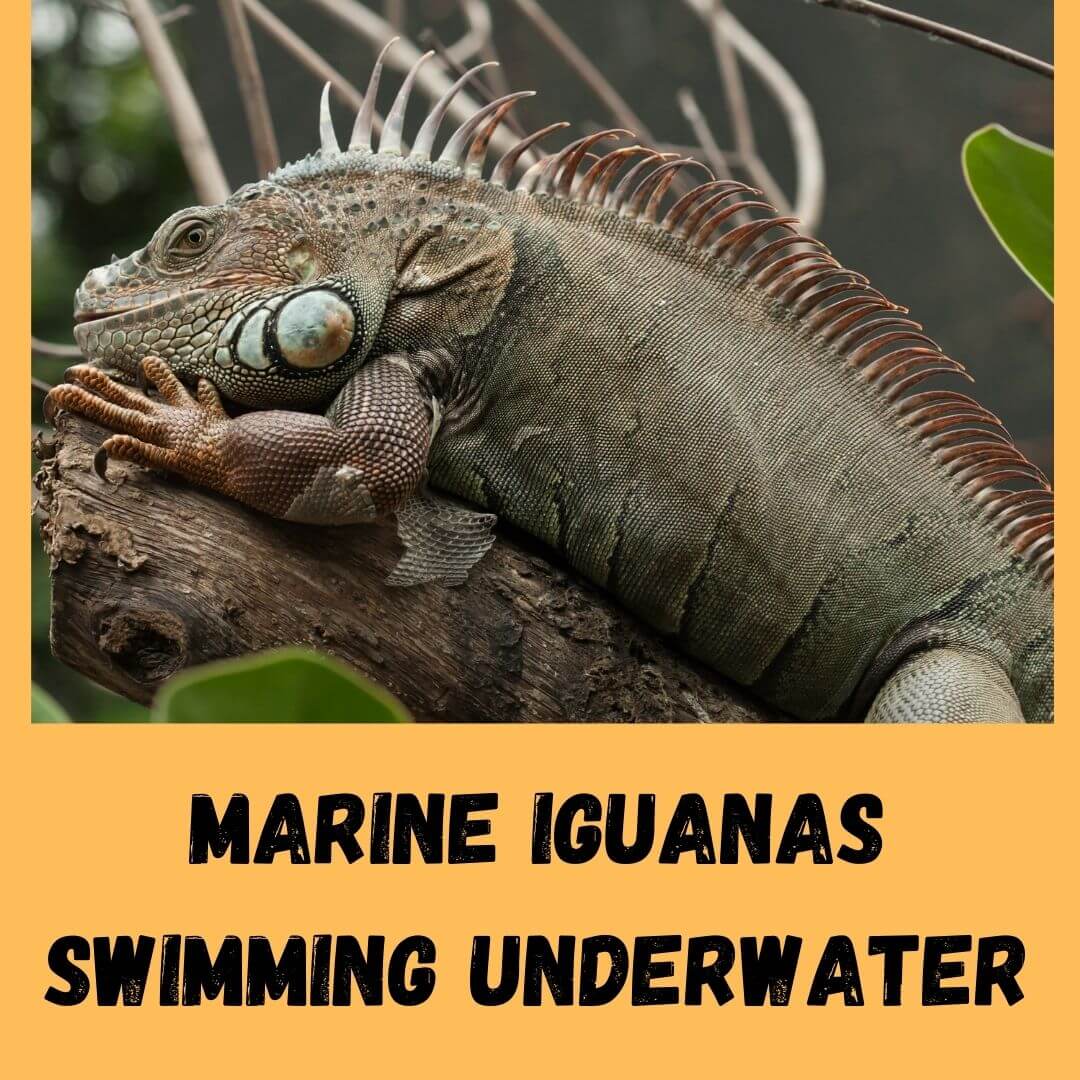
(250, 294)
(277, 295)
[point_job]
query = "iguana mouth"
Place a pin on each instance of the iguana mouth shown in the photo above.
(159, 303)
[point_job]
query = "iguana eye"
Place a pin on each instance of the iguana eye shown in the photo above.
(190, 238)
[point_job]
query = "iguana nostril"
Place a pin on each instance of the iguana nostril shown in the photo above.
(315, 328)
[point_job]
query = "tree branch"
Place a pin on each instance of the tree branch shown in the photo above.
(941, 31)
(730, 37)
(584, 68)
(252, 90)
(54, 349)
(151, 575)
(198, 151)
(306, 55)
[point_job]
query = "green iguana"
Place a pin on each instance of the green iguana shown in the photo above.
(698, 407)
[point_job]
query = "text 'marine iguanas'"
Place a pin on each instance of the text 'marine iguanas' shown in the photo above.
(706, 414)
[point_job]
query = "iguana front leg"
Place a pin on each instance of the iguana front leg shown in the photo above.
(363, 460)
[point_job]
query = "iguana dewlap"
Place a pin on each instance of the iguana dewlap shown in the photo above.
(698, 407)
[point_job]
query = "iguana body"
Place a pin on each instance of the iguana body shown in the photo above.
(700, 410)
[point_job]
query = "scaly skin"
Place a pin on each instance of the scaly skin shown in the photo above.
(695, 430)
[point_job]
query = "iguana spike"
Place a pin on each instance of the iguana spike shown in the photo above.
(328, 143)
(562, 165)
(859, 356)
(817, 283)
(815, 297)
(425, 138)
(942, 433)
(361, 134)
(474, 160)
(504, 167)
(734, 244)
(697, 214)
(897, 370)
(696, 195)
(897, 390)
(552, 164)
(572, 156)
(776, 275)
(833, 319)
(889, 361)
(589, 190)
(454, 151)
(766, 252)
(635, 202)
(891, 322)
(664, 178)
(615, 200)
(709, 226)
(532, 174)
(393, 128)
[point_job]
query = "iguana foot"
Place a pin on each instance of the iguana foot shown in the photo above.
(179, 433)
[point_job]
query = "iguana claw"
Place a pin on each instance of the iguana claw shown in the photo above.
(175, 433)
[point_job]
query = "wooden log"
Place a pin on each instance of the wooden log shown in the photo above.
(151, 575)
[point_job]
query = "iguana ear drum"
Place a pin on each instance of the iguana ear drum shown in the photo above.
(315, 329)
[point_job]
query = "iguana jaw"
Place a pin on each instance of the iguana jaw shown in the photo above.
(103, 334)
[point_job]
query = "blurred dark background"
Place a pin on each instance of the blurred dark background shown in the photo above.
(893, 108)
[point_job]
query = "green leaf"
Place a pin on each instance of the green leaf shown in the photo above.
(281, 686)
(1012, 181)
(45, 709)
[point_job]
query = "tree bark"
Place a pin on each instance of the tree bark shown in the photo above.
(151, 575)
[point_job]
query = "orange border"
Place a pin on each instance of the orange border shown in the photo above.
(979, 838)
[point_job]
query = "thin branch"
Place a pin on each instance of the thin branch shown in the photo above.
(431, 79)
(39, 384)
(478, 21)
(742, 125)
(293, 43)
(166, 17)
(430, 40)
(714, 157)
(306, 55)
(198, 151)
(478, 13)
(809, 198)
(715, 14)
(180, 12)
(394, 13)
(809, 202)
(584, 68)
(941, 31)
(252, 88)
(54, 349)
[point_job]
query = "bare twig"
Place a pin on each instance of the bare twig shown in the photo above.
(714, 157)
(198, 151)
(51, 348)
(478, 20)
(166, 17)
(809, 201)
(742, 125)
(430, 40)
(252, 89)
(302, 51)
(477, 13)
(620, 111)
(40, 384)
(809, 198)
(180, 12)
(431, 79)
(941, 31)
(394, 13)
